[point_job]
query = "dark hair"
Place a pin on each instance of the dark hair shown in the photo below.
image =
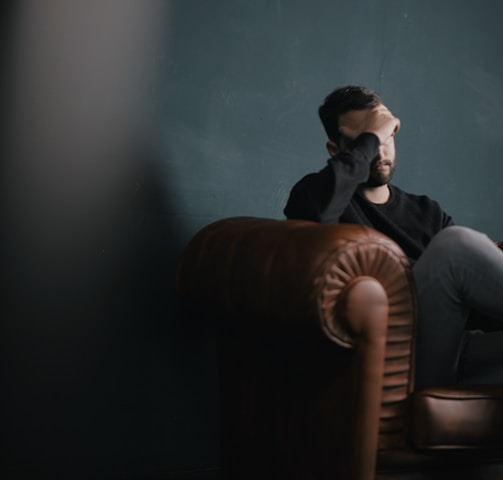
(343, 100)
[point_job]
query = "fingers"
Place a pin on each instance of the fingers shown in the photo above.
(348, 132)
(382, 122)
(398, 126)
(378, 120)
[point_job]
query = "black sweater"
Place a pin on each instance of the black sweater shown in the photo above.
(332, 196)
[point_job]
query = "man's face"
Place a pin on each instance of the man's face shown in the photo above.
(383, 165)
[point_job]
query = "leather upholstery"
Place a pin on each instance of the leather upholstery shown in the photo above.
(457, 417)
(316, 329)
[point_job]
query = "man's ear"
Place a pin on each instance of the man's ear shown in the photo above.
(332, 148)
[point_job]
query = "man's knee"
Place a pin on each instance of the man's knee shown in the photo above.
(450, 251)
(457, 238)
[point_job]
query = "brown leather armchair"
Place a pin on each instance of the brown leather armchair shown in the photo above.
(316, 359)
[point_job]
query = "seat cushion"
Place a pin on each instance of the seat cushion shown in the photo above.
(457, 417)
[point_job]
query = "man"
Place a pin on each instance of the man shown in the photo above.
(457, 270)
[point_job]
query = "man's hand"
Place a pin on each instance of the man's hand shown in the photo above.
(378, 120)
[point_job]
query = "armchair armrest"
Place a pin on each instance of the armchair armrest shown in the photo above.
(347, 283)
(290, 272)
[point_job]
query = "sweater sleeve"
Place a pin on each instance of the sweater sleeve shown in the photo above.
(324, 196)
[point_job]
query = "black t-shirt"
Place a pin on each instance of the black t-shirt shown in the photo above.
(332, 196)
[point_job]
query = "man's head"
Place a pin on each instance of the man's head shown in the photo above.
(351, 110)
(343, 100)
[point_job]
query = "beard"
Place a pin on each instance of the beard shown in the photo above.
(378, 177)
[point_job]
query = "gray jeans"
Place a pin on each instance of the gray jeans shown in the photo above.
(460, 272)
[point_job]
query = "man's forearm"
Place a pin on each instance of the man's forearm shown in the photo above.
(350, 169)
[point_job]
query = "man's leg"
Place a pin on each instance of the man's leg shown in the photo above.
(460, 270)
(482, 359)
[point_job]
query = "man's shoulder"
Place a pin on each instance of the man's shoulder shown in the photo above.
(315, 179)
(422, 205)
(412, 197)
(309, 177)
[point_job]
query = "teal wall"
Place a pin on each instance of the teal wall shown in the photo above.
(131, 125)
(243, 80)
